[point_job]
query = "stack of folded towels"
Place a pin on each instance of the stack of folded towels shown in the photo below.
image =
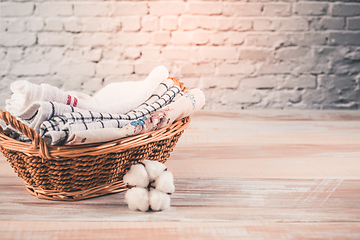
(118, 110)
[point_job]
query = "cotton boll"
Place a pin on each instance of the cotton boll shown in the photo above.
(137, 198)
(137, 176)
(158, 200)
(165, 182)
(154, 169)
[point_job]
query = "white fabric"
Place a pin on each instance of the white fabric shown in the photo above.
(57, 129)
(131, 94)
(52, 117)
(26, 93)
(187, 104)
(118, 97)
(159, 91)
(38, 112)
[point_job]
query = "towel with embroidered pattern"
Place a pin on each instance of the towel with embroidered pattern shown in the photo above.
(57, 129)
(184, 106)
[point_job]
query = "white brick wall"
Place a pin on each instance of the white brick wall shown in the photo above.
(243, 54)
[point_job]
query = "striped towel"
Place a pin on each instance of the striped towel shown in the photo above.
(40, 111)
(56, 129)
(79, 128)
(184, 106)
(163, 89)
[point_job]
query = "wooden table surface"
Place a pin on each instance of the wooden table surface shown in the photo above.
(254, 174)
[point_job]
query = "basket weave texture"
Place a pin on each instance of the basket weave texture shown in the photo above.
(82, 171)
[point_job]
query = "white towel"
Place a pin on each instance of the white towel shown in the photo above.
(186, 105)
(26, 93)
(130, 94)
(118, 97)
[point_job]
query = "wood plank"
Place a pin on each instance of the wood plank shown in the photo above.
(204, 199)
(277, 161)
(176, 230)
(257, 128)
(280, 115)
(251, 133)
(228, 191)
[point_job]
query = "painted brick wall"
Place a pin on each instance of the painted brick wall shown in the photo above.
(254, 54)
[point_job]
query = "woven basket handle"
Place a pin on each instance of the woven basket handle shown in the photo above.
(27, 131)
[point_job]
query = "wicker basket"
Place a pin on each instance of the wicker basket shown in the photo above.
(82, 171)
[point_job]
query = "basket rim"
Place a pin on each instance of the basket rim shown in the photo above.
(92, 149)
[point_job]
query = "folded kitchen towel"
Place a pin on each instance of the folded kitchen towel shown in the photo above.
(119, 97)
(184, 106)
(53, 116)
(40, 111)
(26, 93)
(130, 94)
(162, 89)
(57, 129)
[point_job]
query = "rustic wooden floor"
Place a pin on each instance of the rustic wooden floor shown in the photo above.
(249, 175)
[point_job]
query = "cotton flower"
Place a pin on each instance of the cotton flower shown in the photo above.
(158, 200)
(137, 176)
(165, 182)
(153, 184)
(154, 169)
(137, 198)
